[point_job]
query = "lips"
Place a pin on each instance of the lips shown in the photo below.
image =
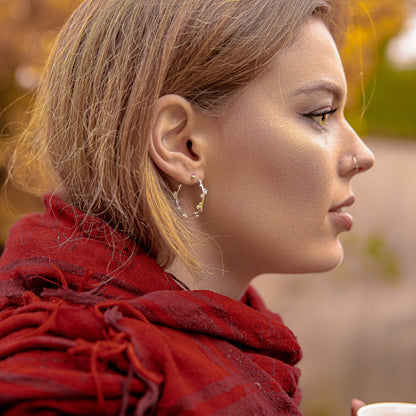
(347, 203)
(342, 220)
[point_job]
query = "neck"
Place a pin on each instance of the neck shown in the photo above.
(215, 275)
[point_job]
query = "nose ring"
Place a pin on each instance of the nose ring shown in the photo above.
(356, 165)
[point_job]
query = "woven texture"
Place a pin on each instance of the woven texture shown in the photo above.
(86, 329)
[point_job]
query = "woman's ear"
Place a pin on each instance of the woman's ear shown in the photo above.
(174, 142)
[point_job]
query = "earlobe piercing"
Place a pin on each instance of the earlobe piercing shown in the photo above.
(199, 207)
(356, 165)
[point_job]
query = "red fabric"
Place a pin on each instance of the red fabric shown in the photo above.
(86, 331)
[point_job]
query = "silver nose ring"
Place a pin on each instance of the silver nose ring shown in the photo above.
(356, 165)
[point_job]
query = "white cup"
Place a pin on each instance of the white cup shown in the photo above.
(388, 409)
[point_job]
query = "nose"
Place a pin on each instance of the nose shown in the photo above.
(365, 158)
(357, 157)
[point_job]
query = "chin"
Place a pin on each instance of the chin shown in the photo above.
(330, 266)
(320, 261)
(331, 260)
(308, 266)
(311, 259)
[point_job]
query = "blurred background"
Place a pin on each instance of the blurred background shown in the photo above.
(357, 324)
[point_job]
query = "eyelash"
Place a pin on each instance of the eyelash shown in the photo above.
(323, 115)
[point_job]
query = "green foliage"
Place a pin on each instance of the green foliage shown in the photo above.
(375, 255)
(372, 23)
(392, 111)
(379, 251)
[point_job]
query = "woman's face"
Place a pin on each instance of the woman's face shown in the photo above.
(281, 158)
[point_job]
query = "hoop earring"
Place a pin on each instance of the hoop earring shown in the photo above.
(199, 207)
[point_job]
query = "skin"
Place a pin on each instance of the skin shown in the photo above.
(273, 168)
(356, 405)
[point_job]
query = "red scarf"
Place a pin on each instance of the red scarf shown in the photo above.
(89, 330)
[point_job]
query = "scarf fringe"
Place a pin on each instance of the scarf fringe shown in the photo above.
(115, 349)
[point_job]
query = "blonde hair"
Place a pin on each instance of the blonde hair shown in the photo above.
(110, 63)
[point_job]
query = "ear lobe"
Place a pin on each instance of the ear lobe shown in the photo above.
(172, 142)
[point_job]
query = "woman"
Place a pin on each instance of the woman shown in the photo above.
(194, 145)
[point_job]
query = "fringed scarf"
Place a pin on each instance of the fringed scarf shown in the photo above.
(93, 328)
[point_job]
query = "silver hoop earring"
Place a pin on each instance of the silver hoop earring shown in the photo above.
(356, 165)
(199, 207)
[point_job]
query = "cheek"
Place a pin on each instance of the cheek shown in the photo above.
(307, 173)
(270, 190)
(291, 168)
(272, 173)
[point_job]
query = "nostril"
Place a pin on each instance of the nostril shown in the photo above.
(351, 164)
(367, 162)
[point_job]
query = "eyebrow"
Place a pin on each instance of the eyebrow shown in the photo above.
(334, 89)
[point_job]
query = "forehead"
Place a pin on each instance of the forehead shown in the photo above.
(312, 61)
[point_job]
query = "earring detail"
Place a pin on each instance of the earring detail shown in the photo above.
(199, 207)
(356, 165)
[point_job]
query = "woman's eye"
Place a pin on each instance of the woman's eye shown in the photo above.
(320, 117)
